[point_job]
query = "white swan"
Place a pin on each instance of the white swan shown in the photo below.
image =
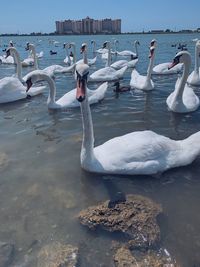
(12, 88)
(89, 61)
(122, 63)
(183, 99)
(67, 59)
(141, 152)
(194, 77)
(144, 82)
(107, 73)
(69, 99)
(163, 69)
(51, 70)
(128, 52)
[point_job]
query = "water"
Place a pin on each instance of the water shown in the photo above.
(42, 186)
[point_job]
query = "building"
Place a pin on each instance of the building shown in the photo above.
(89, 26)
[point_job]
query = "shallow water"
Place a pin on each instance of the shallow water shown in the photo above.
(42, 186)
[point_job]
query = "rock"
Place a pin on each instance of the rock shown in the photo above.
(58, 255)
(124, 258)
(6, 254)
(136, 217)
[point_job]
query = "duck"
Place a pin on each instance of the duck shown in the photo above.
(107, 73)
(69, 99)
(194, 77)
(144, 82)
(182, 99)
(136, 153)
(121, 89)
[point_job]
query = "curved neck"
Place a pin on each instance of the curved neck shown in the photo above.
(52, 88)
(32, 48)
(183, 80)
(136, 49)
(196, 64)
(109, 57)
(74, 54)
(67, 52)
(85, 60)
(87, 153)
(150, 67)
(18, 64)
(94, 47)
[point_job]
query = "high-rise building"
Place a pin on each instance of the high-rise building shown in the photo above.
(89, 26)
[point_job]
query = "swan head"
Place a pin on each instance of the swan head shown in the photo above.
(151, 51)
(11, 43)
(83, 47)
(106, 44)
(137, 42)
(71, 44)
(153, 42)
(33, 77)
(10, 51)
(82, 71)
(181, 57)
(65, 45)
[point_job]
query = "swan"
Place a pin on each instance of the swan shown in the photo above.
(194, 77)
(122, 63)
(183, 99)
(69, 99)
(86, 60)
(107, 73)
(163, 68)
(67, 60)
(140, 152)
(51, 70)
(12, 88)
(128, 52)
(144, 82)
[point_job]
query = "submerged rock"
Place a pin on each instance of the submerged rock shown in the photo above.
(136, 217)
(58, 255)
(6, 254)
(124, 258)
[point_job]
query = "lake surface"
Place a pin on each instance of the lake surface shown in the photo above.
(42, 185)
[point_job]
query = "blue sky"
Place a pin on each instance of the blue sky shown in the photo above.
(25, 16)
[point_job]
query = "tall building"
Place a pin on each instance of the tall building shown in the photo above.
(89, 26)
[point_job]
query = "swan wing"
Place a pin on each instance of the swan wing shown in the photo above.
(94, 96)
(119, 64)
(142, 152)
(11, 89)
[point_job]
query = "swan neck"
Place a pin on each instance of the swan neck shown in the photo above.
(85, 60)
(34, 58)
(74, 55)
(18, 64)
(109, 56)
(196, 64)
(150, 67)
(181, 86)
(136, 49)
(52, 89)
(87, 153)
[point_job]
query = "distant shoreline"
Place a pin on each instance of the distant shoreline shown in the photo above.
(125, 33)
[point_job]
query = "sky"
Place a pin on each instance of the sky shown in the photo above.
(26, 16)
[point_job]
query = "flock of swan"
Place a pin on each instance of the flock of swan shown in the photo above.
(139, 152)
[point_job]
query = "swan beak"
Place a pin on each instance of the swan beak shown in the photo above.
(7, 53)
(174, 63)
(28, 84)
(80, 93)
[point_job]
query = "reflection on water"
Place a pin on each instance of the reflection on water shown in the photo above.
(42, 186)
